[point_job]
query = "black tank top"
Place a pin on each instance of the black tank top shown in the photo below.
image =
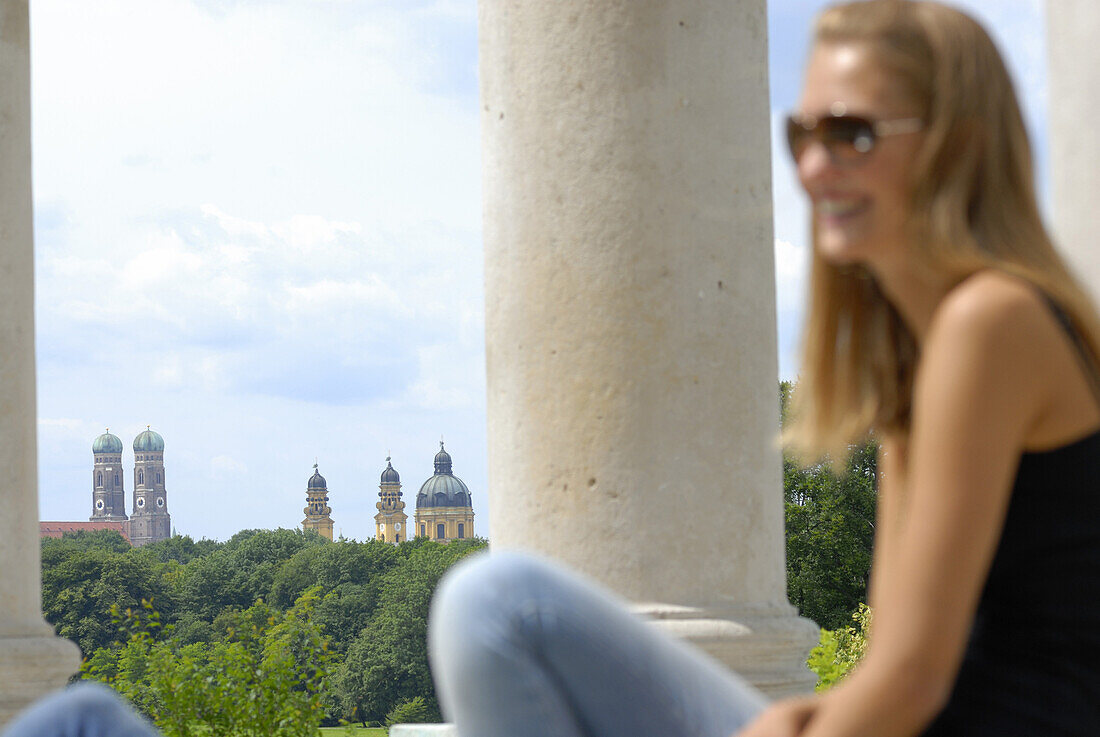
(1032, 664)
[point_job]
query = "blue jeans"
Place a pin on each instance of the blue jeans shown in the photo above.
(82, 710)
(520, 646)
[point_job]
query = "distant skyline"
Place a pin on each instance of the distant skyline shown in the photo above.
(258, 230)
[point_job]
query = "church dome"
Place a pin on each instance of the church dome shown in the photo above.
(149, 441)
(317, 481)
(444, 489)
(107, 443)
(390, 475)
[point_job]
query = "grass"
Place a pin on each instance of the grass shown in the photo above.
(359, 731)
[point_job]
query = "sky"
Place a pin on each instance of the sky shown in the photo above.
(258, 231)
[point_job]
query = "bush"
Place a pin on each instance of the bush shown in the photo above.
(840, 651)
(413, 711)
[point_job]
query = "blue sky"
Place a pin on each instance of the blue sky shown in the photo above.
(258, 230)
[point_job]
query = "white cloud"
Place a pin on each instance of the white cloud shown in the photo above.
(223, 464)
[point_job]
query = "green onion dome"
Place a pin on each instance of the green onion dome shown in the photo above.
(148, 442)
(107, 443)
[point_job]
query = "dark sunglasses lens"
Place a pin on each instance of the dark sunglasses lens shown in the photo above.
(846, 137)
(798, 136)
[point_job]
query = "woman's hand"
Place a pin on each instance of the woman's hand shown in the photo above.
(785, 718)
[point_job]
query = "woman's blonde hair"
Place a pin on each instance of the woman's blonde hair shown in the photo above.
(973, 207)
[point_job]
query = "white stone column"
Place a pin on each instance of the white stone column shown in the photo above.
(1074, 88)
(32, 660)
(630, 312)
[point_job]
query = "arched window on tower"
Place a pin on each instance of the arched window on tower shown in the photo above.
(422, 533)
(99, 479)
(439, 532)
(141, 478)
(158, 477)
(116, 479)
(461, 530)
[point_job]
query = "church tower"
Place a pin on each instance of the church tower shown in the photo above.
(317, 510)
(444, 510)
(391, 516)
(150, 520)
(108, 482)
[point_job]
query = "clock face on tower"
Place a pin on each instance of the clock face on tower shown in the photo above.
(99, 504)
(397, 525)
(140, 502)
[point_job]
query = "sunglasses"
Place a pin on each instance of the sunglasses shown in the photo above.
(847, 138)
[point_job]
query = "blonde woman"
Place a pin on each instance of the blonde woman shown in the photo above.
(942, 319)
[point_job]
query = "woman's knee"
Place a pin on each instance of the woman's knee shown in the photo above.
(85, 709)
(481, 596)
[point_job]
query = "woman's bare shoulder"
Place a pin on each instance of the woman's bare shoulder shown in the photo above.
(997, 317)
(997, 335)
(993, 310)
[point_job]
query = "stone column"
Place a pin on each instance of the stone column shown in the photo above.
(630, 312)
(1074, 89)
(32, 660)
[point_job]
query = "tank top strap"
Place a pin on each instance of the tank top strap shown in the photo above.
(1084, 355)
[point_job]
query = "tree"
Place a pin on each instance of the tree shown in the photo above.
(180, 548)
(388, 663)
(829, 532)
(227, 605)
(264, 681)
(84, 582)
(332, 566)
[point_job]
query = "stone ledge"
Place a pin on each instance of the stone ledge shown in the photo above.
(423, 730)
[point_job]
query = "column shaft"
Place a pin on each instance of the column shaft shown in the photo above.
(1074, 91)
(32, 659)
(630, 312)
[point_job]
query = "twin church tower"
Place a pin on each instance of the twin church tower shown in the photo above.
(444, 511)
(149, 521)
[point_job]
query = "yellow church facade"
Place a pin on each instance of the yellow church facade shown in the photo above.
(318, 512)
(444, 510)
(391, 522)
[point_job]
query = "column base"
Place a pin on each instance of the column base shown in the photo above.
(30, 667)
(765, 645)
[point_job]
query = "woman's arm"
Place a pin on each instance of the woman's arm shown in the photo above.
(888, 509)
(979, 389)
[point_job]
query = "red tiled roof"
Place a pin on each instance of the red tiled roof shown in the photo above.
(57, 529)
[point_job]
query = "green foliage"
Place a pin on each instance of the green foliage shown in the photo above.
(266, 681)
(226, 608)
(240, 571)
(829, 532)
(55, 549)
(388, 663)
(413, 711)
(180, 548)
(85, 581)
(840, 650)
